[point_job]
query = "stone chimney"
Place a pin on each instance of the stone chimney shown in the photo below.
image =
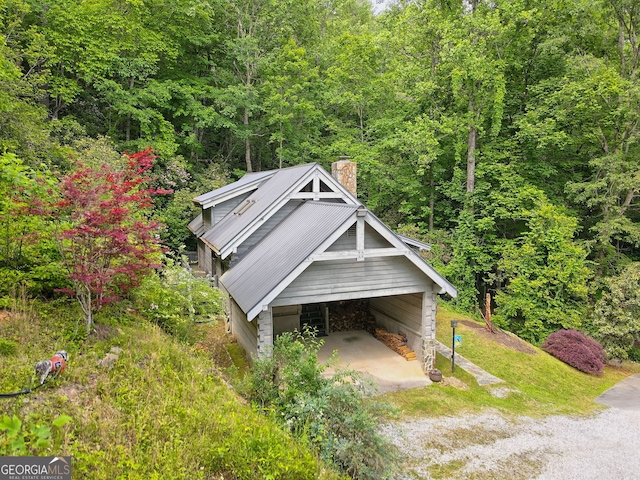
(344, 172)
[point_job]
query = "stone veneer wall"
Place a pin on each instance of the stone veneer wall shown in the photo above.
(429, 332)
(345, 172)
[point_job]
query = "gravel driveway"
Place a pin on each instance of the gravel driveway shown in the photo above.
(491, 446)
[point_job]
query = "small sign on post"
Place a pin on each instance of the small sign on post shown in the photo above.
(454, 324)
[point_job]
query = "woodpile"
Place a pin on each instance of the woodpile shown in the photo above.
(396, 342)
(351, 315)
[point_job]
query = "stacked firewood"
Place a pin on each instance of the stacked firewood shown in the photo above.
(396, 342)
(351, 315)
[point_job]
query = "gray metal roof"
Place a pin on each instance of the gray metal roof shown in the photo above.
(210, 198)
(255, 206)
(412, 242)
(283, 250)
(197, 226)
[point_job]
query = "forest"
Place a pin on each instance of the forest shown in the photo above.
(504, 133)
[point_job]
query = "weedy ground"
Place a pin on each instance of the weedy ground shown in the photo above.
(161, 410)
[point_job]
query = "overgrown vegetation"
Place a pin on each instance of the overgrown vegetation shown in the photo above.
(577, 350)
(495, 131)
(174, 299)
(334, 414)
(616, 316)
(159, 410)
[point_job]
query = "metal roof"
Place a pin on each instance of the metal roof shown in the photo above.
(283, 250)
(397, 240)
(412, 242)
(248, 180)
(197, 226)
(255, 206)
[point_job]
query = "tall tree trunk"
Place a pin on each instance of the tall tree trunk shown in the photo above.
(471, 158)
(128, 124)
(432, 197)
(247, 142)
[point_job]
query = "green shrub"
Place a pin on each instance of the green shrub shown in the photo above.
(616, 314)
(28, 438)
(174, 298)
(634, 354)
(333, 414)
(7, 347)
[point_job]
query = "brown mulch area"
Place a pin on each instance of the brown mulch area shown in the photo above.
(503, 338)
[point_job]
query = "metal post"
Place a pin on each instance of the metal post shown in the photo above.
(454, 324)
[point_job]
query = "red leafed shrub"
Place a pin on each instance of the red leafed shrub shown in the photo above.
(577, 350)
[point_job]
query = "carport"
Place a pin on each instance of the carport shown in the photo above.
(359, 350)
(296, 239)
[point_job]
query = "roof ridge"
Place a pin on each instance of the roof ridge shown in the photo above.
(332, 204)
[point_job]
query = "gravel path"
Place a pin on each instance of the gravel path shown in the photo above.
(491, 446)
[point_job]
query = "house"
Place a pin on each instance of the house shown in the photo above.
(285, 243)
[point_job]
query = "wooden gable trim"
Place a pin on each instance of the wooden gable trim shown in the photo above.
(399, 248)
(316, 174)
(263, 304)
(217, 200)
(382, 229)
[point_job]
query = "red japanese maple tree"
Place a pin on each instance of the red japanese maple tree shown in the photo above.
(107, 239)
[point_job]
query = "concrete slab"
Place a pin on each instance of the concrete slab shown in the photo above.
(359, 350)
(624, 395)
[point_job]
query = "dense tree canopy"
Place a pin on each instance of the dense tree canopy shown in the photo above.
(505, 133)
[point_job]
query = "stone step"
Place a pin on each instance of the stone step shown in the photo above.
(483, 377)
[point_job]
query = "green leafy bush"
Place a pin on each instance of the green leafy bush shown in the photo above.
(333, 414)
(616, 315)
(174, 298)
(634, 354)
(29, 438)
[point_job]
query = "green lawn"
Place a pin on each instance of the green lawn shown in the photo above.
(540, 384)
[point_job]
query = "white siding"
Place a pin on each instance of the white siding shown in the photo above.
(347, 241)
(402, 314)
(205, 257)
(221, 210)
(373, 239)
(326, 281)
(246, 333)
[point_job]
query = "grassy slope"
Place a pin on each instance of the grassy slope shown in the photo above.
(160, 412)
(542, 385)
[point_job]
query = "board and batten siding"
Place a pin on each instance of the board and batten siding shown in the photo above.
(205, 257)
(246, 333)
(402, 314)
(223, 209)
(326, 281)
